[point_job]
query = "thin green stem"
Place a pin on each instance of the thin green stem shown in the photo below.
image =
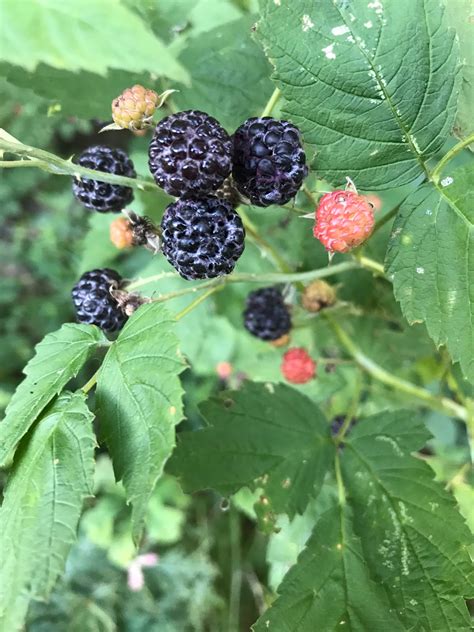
(454, 151)
(351, 413)
(309, 194)
(134, 285)
(15, 164)
(387, 217)
(235, 571)
(196, 302)
(262, 243)
(269, 277)
(272, 101)
(89, 385)
(53, 164)
(435, 402)
(341, 492)
(370, 264)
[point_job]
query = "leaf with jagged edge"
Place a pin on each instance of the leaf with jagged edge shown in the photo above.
(50, 478)
(372, 90)
(139, 402)
(430, 259)
(330, 587)
(266, 436)
(460, 15)
(58, 358)
(391, 555)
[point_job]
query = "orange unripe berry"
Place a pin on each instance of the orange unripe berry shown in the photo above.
(121, 234)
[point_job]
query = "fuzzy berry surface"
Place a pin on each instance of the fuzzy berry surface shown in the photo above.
(269, 161)
(190, 154)
(93, 301)
(121, 234)
(103, 196)
(134, 108)
(202, 238)
(344, 220)
(266, 316)
(298, 367)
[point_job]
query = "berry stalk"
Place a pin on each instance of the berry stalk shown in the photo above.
(443, 404)
(44, 160)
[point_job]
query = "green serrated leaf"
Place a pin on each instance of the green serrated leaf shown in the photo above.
(268, 432)
(92, 35)
(431, 261)
(414, 540)
(331, 587)
(393, 555)
(58, 358)
(139, 402)
(230, 74)
(42, 504)
(460, 14)
(373, 91)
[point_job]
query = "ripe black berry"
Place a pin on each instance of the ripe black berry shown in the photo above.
(93, 301)
(202, 238)
(103, 196)
(190, 154)
(266, 316)
(269, 161)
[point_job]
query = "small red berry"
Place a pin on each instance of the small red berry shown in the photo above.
(298, 367)
(344, 219)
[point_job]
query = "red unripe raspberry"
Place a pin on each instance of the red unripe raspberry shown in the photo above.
(344, 220)
(298, 367)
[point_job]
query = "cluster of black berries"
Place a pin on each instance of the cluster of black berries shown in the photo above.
(194, 159)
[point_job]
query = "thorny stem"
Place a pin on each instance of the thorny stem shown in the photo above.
(454, 151)
(272, 101)
(246, 277)
(34, 157)
(443, 404)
